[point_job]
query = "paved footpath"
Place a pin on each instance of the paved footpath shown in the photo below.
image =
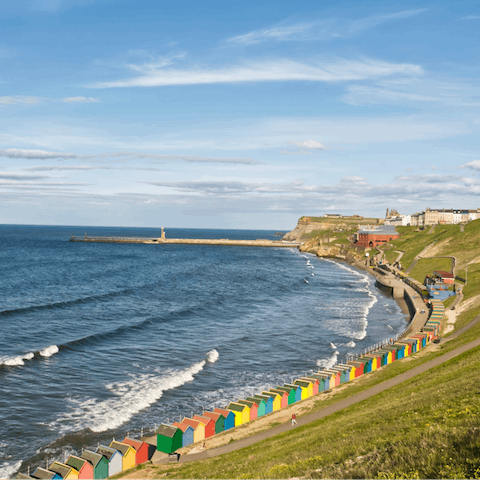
(336, 407)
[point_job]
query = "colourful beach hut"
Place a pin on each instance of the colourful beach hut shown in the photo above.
(42, 473)
(359, 367)
(140, 447)
(209, 424)
(350, 371)
(169, 439)
(261, 405)
(276, 399)
(228, 416)
(307, 388)
(187, 433)
(82, 466)
(343, 373)
(128, 454)
(152, 446)
(376, 360)
(98, 462)
(298, 391)
(219, 420)
(392, 350)
(336, 376)
(114, 458)
(252, 406)
(323, 381)
(315, 383)
(407, 348)
(241, 412)
(283, 396)
(367, 363)
(198, 429)
(268, 402)
(65, 471)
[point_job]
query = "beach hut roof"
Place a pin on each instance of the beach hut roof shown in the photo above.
(285, 387)
(290, 385)
(167, 431)
(279, 391)
(266, 398)
(76, 462)
(301, 383)
(193, 423)
(22, 476)
(60, 468)
(270, 394)
(237, 407)
(42, 473)
(107, 452)
(214, 415)
(258, 401)
(223, 411)
(136, 444)
(248, 403)
(92, 457)
(121, 447)
(182, 426)
(203, 419)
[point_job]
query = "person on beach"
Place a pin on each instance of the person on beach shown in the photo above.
(294, 419)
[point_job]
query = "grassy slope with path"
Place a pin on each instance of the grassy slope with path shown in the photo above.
(428, 427)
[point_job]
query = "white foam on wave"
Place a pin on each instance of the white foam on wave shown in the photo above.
(365, 279)
(130, 397)
(332, 345)
(49, 351)
(351, 344)
(8, 469)
(328, 362)
(16, 361)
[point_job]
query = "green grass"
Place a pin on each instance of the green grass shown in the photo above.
(426, 266)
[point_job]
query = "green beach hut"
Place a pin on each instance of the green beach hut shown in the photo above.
(169, 439)
(290, 392)
(99, 463)
(262, 406)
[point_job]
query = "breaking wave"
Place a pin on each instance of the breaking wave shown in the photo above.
(328, 362)
(128, 399)
(18, 360)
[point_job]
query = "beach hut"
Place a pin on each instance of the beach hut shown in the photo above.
(187, 433)
(198, 429)
(261, 405)
(350, 369)
(152, 446)
(283, 396)
(82, 466)
(219, 420)
(169, 439)
(323, 381)
(276, 399)
(421, 338)
(128, 454)
(98, 462)
(252, 406)
(268, 402)
(335, 376)
(359, 367)
(315, 383)
(344, 375)
(307, 388)
(65, 471)
(114, 458)
(209, 425)
(376, 360)
(241, 412)
(228, 416)
(43, 474)
(407, 348)
(367, 363)
(22, 476)
(298, 391)
(386, 356)
(140, 447)
(392, 350)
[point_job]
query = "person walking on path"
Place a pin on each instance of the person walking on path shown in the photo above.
(294, 419)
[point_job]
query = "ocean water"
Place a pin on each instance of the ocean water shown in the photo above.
(98, 340)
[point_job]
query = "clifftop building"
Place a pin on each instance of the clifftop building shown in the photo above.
(433, 217)
(374, 236)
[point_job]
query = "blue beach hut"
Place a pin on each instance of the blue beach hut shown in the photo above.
(229, 417)
(298, 391)
(324, 381)
(187, 433)
(268, 402)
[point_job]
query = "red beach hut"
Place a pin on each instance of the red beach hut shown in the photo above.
(209, 424)
(140, 447)
(253, 408)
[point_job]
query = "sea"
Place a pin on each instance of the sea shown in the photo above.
(99, 340)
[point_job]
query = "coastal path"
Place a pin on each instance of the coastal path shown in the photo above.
(337, 407)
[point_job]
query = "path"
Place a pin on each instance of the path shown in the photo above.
(400, 255)
(417, 258)
(432, 228)
(336, 407)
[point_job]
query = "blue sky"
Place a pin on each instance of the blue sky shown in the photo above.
(246, 115)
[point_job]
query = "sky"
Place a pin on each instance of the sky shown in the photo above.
(236, 114)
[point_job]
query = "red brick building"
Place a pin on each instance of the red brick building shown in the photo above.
(376, 236)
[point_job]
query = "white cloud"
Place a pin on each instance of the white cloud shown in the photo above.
(324, 29)
(295, 152)
(267, 71)
(84, 168)
(474, 165)
(80, 100)
(46, 155)
(312, 144)
(19, 100)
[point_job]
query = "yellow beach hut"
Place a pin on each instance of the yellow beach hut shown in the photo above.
(276, 399)
(307, 388)
(128, 454)
(241, 412)
(65, 471)
(198, 429)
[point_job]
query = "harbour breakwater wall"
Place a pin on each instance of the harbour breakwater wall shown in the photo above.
(188, 241)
